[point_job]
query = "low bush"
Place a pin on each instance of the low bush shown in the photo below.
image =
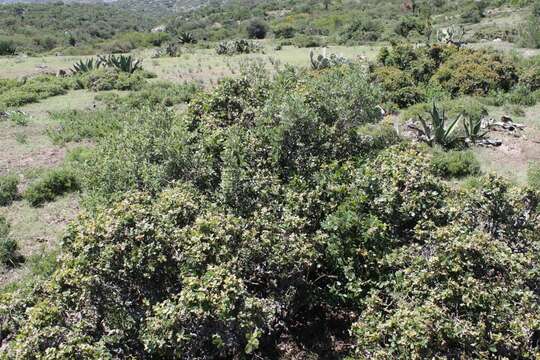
(76, 125)
(154, 94)
(9, 249)
(109, 79)
(361, 31)
(455, 164)
(51, 185)
(409, 24)
(529, 77)
(307, 41)
(285, 32)
(8, 189)
(7, 47)
(398, 86)
(18, 93)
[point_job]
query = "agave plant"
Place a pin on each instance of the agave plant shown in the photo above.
(187, 38)
(83, 66)
(124, 63)
(436, 132)
(473, 129)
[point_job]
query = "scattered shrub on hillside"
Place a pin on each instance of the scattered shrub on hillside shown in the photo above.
(8, 189)
(398, 86)
(305, 41)
(256, 29)
(361, 30)
(473, 11)
(455, 164)
(529, 77)
(285, 32)
(7, 47)
(52, 184)
(408, 24)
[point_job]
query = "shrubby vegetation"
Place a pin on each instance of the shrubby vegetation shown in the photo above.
(280, 217)
(153, 94)
(72, 28)
(15, 93)
(412, 75)
(8, 189)
(455, 164)
(9, 255)
(52, 184)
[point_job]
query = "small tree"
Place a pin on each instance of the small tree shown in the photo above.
(257, 29)
(326, 4)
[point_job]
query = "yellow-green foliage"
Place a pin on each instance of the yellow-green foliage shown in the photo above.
(470, 72)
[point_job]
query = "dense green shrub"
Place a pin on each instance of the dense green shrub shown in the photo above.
(7, 47)
(361, 30)
(285, 32)
(470, 72)
(256, 29)
(179, 275)
(277, 218)
(52, 184)
(17, 93)
(306, 41)
(108, 79)
(8, 189)
(473, 11)
(153, 94)
(410, 74)
(408, 24)
(455, 164)
(529, 77)
(398, 86)
(9, 249)
(155, 147)
(75, 125)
